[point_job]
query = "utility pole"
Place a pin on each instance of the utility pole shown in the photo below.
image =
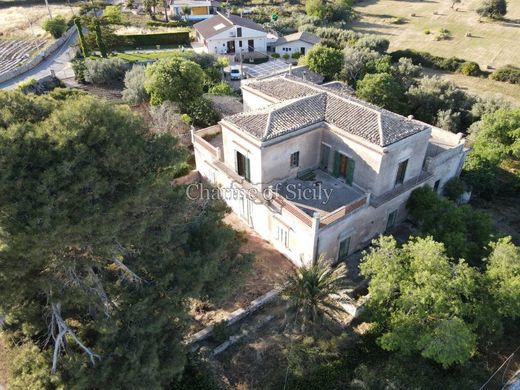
(48, 8)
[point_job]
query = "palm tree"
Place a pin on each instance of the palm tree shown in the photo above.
(311, 289)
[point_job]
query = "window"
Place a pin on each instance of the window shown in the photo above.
(251, 45)
(436, 185)
(390, 223)
(242, 166)
(295, 159)
(239, 31)
(344, 246)
(401, 172)
(343, 167)
(282, 235)
(239, 43)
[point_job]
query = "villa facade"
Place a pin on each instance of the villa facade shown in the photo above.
(316, 171)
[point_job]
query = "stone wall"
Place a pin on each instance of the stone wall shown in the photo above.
(33, 62)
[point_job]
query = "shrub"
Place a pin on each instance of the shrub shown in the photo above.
(286, 56)
(79, 69)
(55, 26)
(134, 92)
(202, 112)
(112, 14)
(169, 38)
(427, 31)
(398, 20)
(507, 73)
(469, 68)
(296, 55)
(171, 23)
(325, 61)
(104, 71)
(428, 60)
(494, 9)
(166, 120)
(221, 88)
(454, 188)
(21, 86)
(275, 55)
(443, 35)
(373, 43)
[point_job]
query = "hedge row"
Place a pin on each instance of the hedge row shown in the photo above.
(171, 23)
(169, 38)
(428, 60)
(507, 73)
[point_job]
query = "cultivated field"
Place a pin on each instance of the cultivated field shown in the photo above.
(491, 43)
(25, 22)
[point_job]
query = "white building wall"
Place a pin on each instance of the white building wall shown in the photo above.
(253, 101)
(293, 47)
(217, 44)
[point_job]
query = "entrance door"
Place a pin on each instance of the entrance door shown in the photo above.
(242, 166)
(302, 51)
(390, 223)
(251, 45)
(344, 167)
(325, 152)
(231, 46)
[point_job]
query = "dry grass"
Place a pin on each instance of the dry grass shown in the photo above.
(480, 86)
(491, 43)
(25, 22)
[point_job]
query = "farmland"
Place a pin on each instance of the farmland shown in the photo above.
(490, 43)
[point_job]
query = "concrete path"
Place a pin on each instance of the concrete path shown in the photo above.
(59, 61)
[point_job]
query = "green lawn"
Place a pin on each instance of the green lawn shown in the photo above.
(491, 42)
(140, 56)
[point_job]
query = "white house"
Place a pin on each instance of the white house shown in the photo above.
(196, 9)
(316, 171)
(230, 34)
(300, 42)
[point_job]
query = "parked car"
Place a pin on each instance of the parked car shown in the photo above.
(235, 74)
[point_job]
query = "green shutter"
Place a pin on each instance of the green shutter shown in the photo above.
(248, 172)
(335, 170)
(350, 171)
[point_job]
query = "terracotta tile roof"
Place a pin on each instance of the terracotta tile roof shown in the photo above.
(281, 118)
(372, 123)
(303, 36)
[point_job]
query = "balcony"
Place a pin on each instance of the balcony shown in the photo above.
(319, 192)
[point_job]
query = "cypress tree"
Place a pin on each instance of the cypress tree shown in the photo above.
(82, 41)
(99, 40)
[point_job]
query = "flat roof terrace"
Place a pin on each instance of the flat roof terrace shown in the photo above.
(317, 191)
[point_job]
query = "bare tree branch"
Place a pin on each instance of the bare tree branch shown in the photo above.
(59, 329)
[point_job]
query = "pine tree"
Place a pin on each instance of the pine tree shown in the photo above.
(99, 252)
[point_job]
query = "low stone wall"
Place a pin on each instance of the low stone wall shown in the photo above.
(236, 316)
(39, 57)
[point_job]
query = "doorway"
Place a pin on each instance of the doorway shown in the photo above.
(251, 45)
(231, 47)
(243, 168)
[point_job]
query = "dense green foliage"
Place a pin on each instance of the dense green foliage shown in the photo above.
(465, 232)
(494, 9)
(175, 79)
(201, 112)
(422, 300)
(325, 61)
(383, 90)
(507, 73)
(134, 92)
(495, 140)
(82, 42)
(99, 39)
(309, 292)
(95, 237)
(147, 40)
(104, 71)
(55, 26)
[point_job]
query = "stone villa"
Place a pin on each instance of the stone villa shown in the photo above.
(316, 171)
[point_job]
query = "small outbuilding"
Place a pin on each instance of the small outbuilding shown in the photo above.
(300, 42)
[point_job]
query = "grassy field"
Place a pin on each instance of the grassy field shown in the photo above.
(25, 22)
(480, 86)
(491, 43)
(143, 56)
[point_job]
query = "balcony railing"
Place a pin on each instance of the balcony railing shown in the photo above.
(343, 211)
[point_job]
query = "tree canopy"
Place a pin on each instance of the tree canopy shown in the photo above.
(175, 79)
(325, 61)
(383, 90)
(99, 251)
